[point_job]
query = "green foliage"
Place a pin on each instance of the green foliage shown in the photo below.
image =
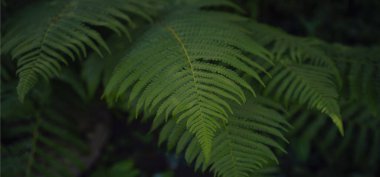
(217, 84)
(361, 141)
(46, 34)
(242, 147)
(97, 70)
(188, 66)
(285, 46)
(306, 84)
(123, 168)
(40, 142)
(303, 72)
(359, 67)
(359, 105)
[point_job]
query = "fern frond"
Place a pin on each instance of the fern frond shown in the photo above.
(307, 85)
(242, 147)
(359, 68)
(362, 136)
(37, 143)
(189, 67)
(248, 140)
(41, 148)
(294, 48)
(96, 70)
(303, 73)
(47, 34)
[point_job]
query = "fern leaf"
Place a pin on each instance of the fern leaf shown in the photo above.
(304, 72)
(359, 67)
(307, 85)
(47, 34)
(242, 147)
(37, 143)
(38, 150)
(295, 49)
(283, 45)
(96, 71)
(361, 138)
(189, 67)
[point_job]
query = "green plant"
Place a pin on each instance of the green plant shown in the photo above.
(217, 84)
(42, 138)
(123, 168)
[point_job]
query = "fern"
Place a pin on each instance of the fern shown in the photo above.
(96, 70)
(33, 146)
(294, 48)
(359, 111)
(242, 147)
(359, 66)
(184, 67)
(303, 73)
(306, 84)
(362, 137)
(46, 34)
(197, 70)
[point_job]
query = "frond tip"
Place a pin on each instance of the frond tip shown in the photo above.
(338, 123)
(307, 85)
(243, 147)
(189, 67)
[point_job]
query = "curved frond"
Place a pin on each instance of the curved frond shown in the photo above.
(189, 67)
(47, 34)
(304, 73)
(307, 85)
(242, 147)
